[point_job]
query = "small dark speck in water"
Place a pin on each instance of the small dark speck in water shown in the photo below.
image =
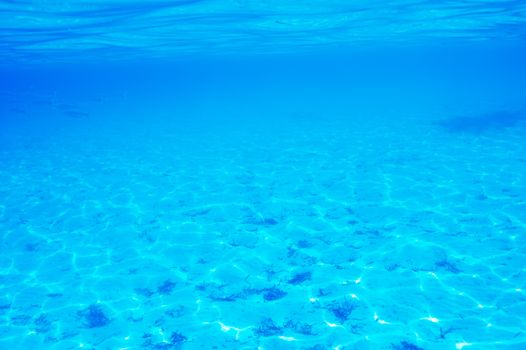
(447, 266)
(300, 278)
(268, 328)
(342, 310)
(270, 222)
(94, 317)
(406, 346)
(273, 293)
(167, 287)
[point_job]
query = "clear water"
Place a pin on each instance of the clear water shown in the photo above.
(263, 175)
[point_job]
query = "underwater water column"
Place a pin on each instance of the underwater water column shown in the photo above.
(274, 175)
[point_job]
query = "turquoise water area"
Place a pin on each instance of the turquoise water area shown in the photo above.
(262, 175)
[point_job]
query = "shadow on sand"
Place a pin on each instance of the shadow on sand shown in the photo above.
(477, 124)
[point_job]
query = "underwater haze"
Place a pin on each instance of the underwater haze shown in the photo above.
(263, 175)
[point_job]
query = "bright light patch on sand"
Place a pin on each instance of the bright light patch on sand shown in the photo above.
(282, 337)
(433, 274)
(224, 327)
(380, 321)
(332, 325)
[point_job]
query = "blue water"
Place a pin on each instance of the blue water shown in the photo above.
(179, 175)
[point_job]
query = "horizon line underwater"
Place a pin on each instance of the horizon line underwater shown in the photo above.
(263, 175)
